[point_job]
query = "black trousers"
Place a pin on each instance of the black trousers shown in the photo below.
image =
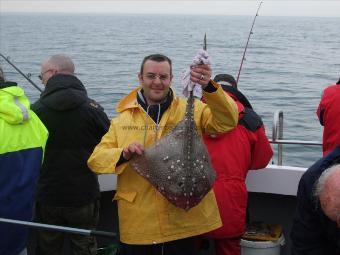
(51, 242)
(187, 246)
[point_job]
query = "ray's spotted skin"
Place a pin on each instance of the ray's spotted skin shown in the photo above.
(184, 176)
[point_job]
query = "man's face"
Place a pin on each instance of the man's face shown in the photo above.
(47, 72)
(155, 80)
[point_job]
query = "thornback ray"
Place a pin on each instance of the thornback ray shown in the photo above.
(178, 165)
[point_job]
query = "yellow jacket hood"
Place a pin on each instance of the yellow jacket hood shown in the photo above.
(14, 105)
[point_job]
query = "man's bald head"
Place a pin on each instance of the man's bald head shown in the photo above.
(62, 63)
(328, 192)
(57, 64)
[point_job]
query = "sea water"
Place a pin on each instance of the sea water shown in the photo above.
(289, 60)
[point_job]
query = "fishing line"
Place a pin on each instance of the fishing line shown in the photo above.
(245, 48)
(18, 70)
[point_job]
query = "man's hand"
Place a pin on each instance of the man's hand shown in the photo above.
(201, 75)
(133, 148)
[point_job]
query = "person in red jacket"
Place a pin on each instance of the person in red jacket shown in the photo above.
(233, 154)
(329, 116)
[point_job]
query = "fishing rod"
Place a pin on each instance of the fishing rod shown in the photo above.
(78, 231)
(25, 76)
(245, 48)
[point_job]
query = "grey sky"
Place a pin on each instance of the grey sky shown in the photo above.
(269, 7)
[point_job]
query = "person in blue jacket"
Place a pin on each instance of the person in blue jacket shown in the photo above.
(316, 225)
(22, 141)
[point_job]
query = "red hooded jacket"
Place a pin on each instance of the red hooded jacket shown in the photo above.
(329, 116)
(233, 154)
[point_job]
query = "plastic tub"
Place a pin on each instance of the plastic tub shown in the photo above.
(262, 247)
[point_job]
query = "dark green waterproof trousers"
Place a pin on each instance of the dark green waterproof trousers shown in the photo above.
(52, 242)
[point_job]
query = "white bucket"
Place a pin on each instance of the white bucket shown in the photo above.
(262, 247)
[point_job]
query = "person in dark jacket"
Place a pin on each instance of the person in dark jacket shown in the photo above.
(316, 224)
(233, 154)
(22, 141)
(68, 190)
(328, 113)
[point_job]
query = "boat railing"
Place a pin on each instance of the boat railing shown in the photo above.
(277, 136)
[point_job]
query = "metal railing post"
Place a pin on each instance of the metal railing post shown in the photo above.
(278, 134)
(277, 137)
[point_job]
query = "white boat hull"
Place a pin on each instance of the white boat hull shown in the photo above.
(274, 179)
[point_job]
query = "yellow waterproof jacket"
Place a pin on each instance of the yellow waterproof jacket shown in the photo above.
(145, 216)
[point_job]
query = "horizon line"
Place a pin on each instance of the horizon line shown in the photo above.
(160, 13)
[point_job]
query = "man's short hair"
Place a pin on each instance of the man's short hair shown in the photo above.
(63, 62)
(157, 58)
(320, 183)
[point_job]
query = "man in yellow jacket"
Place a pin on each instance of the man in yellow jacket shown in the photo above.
(149, 224)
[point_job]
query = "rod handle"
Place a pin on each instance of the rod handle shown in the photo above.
(103, 233)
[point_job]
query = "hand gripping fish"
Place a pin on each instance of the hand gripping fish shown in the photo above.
(178, 165)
